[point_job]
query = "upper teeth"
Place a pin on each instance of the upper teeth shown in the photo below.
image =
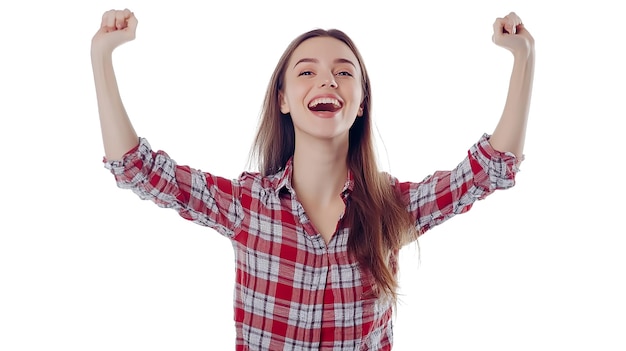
(325, 100)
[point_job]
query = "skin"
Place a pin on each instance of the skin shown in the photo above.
(321, 67)
(118, 134)
(321, 141)
(510, 133)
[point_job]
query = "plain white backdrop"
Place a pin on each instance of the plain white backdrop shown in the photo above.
(86, 266)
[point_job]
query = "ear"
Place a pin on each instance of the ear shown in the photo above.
(284, 107)
(360, 112)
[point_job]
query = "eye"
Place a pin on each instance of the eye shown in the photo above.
(345, 74)
(305, 73)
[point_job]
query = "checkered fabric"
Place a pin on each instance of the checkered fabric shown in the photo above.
(292, 290)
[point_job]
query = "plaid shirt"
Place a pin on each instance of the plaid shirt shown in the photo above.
(293, 291)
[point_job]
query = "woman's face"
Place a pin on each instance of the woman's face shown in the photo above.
(322, 88)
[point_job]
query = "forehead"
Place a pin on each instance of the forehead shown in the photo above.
(324, 49)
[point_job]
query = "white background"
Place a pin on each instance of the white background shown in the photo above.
(86, 266)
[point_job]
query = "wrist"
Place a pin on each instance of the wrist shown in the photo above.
(99, 54)
(525, 55)
(100, 49)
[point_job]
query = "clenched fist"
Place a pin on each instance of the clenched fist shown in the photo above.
(117, 27)
(509, 32)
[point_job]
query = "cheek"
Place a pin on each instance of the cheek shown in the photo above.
(295, 93)
(356, 87)
(358, 94)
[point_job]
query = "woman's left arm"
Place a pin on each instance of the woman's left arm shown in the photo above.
(509, 135)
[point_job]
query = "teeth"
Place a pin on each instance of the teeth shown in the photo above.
(325, 100)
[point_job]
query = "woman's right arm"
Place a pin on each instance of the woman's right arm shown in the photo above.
(197, 196)
(118, 134)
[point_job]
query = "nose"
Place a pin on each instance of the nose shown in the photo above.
(328, 82)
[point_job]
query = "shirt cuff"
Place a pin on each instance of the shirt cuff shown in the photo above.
(493, 169)
(128, 168)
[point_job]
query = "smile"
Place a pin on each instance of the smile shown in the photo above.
(328, 104)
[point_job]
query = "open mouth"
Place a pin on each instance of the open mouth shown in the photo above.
(325, 104)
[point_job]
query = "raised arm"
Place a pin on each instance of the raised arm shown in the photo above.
(509, 135)
(118, 134)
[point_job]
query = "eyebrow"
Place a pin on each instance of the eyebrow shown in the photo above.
(339, 60)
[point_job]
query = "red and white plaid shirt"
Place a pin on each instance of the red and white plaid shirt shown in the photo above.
(292, 290)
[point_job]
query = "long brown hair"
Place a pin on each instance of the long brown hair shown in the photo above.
(379, 222)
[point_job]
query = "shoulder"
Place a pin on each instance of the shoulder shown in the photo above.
(385, 176)
(251, 180)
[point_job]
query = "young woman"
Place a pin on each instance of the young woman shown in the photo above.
(317, 230)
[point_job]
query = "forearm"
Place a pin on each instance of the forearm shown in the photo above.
(118, 134)
(510, 132)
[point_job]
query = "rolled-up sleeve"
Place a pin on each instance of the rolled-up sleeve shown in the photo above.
(197, 196)
(445, 194)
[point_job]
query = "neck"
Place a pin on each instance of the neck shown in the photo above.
(319, 168)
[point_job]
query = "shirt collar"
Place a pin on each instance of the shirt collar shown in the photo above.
(282, 180)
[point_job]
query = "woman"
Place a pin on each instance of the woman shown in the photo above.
(317, 230)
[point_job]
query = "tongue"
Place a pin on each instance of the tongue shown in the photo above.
(324, 107)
